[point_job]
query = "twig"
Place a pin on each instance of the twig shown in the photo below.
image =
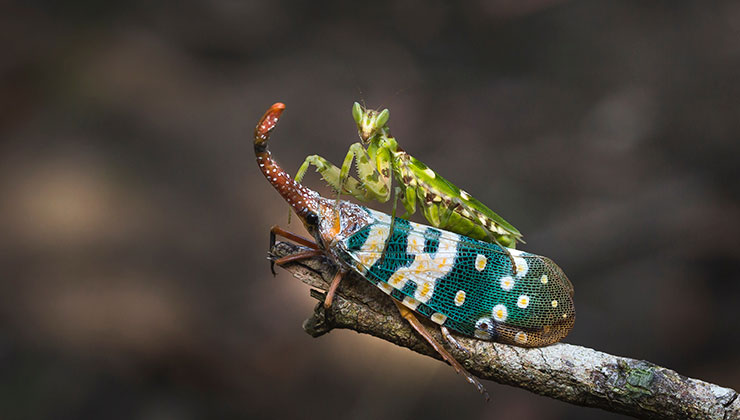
(574, 374)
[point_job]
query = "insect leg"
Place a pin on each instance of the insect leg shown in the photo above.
(409, 200)
(451, 340)
(333, 288)
(411, 318)
(374, 175)
(297, 257)
(506, 250)
(330, 174)
(392, 225)
(431, 213)
(373, 181)
(277, 230)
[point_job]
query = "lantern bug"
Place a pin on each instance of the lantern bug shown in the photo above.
(379, 158)
(459, 283)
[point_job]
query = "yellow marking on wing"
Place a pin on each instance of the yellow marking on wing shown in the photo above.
(500, 313)
(460, 298)
(480, 262)
(410, 302)
(439, 318)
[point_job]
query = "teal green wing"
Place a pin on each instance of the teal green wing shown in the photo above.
(465, 284)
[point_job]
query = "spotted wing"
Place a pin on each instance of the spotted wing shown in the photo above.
(465, 284)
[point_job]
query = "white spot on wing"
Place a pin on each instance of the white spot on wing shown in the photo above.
(480, 262)
(398, 279)
(384, 287)
(507, 283)
(415, 243)
(460, 298)
(371, 250)
(380, 216)
(439, 318)
(521, 266)
(424, 271)
(418, 226)
(500, 313)
(448, 243)
(424, 291)
(410, 303)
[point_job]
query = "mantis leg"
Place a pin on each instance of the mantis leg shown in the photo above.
(393, 222)
(409, 201)
(373, 174)
(330, 174)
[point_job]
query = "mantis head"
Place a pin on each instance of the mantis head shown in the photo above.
(369, 121)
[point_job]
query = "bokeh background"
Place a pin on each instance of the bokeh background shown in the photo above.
(135, 223)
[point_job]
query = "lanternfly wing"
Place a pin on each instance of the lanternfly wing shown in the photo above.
(464, 284)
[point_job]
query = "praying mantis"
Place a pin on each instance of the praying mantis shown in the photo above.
(379, 159)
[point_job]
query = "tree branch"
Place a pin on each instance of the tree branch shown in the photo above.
(574, 374)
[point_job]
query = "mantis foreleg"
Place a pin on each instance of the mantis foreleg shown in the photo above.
(330, 174)
(373, 173)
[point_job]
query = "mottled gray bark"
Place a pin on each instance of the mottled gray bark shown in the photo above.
(574, 374)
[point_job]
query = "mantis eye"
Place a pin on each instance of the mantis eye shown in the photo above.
(357, 112)
(383, 117)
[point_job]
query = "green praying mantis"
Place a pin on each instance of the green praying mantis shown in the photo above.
(379, 159)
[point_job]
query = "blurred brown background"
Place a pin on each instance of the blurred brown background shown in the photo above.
(134, 220)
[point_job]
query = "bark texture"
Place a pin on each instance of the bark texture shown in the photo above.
(570, 373)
